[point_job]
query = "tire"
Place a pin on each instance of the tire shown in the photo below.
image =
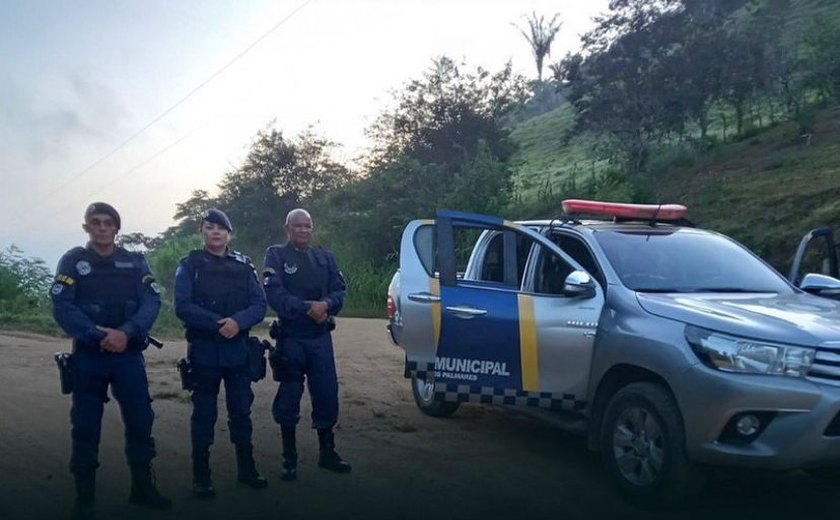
(642, 445)
(424, 396)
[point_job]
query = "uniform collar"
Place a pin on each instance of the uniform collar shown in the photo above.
(97, 253)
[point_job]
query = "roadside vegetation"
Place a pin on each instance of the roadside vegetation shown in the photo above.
(729, 106)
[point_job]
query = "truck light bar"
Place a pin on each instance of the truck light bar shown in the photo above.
(626, 211)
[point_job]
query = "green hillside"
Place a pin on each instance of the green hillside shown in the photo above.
(545, 162)
(766, 191)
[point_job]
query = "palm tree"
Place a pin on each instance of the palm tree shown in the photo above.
(540, 35)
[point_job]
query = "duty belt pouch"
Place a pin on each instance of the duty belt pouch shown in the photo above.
(185, 370)
(256, 359)
(64, 360)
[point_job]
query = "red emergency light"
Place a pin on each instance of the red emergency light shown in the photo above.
(626, 211)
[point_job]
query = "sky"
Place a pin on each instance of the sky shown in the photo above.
(138, 103)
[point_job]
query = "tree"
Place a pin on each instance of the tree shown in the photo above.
(24, 282)
(540, 35)
(278, 175)
(443, 144)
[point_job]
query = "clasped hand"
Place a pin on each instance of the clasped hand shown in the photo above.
(228, 327)
(115, 340)
(318, 311)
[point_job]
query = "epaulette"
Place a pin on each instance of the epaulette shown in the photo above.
(239, 257)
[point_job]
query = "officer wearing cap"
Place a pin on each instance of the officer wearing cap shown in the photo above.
(219, 298)
(105, 298)
(306, 289)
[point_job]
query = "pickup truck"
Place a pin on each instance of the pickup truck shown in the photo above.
(676, 348)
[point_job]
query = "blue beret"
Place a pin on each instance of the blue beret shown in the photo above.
(217, 216)
(103, 209)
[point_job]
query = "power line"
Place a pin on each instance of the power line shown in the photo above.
(166, 112)
(46, 216)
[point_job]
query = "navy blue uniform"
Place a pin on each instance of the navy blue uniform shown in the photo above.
(118, 292)
(207, 289)
(293, 277)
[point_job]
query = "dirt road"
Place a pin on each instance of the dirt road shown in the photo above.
(482, 463)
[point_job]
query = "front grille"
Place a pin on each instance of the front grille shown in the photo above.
(826, 367)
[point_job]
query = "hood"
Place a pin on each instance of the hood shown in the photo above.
(799, 319)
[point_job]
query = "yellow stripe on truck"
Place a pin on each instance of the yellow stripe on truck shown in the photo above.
(434, 290)
(528, 344)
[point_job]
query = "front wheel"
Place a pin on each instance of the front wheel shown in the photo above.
(424, 396)
(643, 447)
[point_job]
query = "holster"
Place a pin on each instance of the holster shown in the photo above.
(256, 358)
(64, 360)
(185, 370)
(276, 360)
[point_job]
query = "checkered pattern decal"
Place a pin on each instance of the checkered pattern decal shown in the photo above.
(421, 369)
(505, 396)
(487, 395)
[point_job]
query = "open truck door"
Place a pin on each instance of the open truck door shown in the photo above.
(815, 265)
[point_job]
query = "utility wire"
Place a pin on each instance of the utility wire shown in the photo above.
(166, 112)
(57, 211)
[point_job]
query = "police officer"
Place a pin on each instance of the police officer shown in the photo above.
(304, 286)
(105, 298)
(219, 298)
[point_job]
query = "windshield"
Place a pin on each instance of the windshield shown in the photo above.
(686, 260)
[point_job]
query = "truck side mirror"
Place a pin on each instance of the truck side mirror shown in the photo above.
(821, 285)
(579, 285)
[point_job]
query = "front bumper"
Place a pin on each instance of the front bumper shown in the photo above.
(795, 437)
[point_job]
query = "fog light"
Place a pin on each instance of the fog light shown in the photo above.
(748, 425)
(745, 427)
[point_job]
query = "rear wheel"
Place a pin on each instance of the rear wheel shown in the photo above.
(424, 396)
(643, 447)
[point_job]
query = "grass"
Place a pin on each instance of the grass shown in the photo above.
(767, 191)
(544, 162)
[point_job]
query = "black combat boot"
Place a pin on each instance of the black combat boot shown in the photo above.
(143, 490)
(329, 459)
(290, 456)
(85, 495)
(202, 485)
(248, 474)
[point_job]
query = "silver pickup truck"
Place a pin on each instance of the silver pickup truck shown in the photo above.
(677, 348)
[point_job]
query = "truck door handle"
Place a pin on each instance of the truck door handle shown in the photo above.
(466, 312)
(423, 297)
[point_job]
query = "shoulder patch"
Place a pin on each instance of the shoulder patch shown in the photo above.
(57, 289)
(83, 267)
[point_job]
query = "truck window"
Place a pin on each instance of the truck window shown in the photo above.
(551, 272)
(576, 249)
(493, 263)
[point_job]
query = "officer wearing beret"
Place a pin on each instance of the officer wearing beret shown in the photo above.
(105, 298)
(219, 298)
(306, 289)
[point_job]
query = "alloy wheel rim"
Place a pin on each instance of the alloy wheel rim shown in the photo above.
(638, 446)
(425, 389)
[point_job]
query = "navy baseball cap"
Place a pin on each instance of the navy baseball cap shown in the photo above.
(217, 216)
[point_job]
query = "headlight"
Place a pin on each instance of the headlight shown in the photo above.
(734, 354)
